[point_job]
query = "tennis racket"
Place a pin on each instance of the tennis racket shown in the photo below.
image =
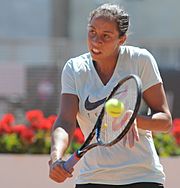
(108, 130)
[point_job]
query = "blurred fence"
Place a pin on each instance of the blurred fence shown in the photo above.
(30, 72)
(171, 79)
(35, 87)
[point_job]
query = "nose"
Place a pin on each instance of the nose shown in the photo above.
(97, 40)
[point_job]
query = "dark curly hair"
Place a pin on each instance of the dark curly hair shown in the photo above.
(112, 12)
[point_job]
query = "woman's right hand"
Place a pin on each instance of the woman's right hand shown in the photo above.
(57, 173)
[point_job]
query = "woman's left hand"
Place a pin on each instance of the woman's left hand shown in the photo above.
(132, 135)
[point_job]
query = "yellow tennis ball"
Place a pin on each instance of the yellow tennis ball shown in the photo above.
(104, 126)
(114, 107)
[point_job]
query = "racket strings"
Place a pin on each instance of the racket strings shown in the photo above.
(112, 127)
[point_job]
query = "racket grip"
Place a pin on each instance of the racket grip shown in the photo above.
(71, 162)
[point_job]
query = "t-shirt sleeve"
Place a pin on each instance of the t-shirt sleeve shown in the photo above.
(67, 79)
(149, 72)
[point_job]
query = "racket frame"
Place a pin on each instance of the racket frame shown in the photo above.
(133, 116)
(86, 146)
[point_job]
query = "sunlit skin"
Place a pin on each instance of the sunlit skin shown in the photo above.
(103, 44)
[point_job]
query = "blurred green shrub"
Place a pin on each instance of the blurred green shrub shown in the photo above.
(168, 144)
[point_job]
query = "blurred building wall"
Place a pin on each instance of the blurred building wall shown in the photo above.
(22, 19)
(47, 33)
(60, 18)
(153, 25)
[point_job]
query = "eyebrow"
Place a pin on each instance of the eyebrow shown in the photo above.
(110, 32)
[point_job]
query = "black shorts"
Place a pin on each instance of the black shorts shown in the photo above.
(134, 185)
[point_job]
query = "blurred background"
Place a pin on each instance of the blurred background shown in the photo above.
(37, 37)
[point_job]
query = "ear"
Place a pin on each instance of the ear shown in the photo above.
(122, 39)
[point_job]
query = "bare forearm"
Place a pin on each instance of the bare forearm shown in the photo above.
(160, 122)
(60, 139)
(60, 142)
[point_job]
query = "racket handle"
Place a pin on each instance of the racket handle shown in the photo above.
(71, 162)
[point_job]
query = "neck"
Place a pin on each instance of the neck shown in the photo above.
(105, 70)
(106, 65)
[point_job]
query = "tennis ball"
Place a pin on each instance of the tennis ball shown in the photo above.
(104, 126)
(114, 107)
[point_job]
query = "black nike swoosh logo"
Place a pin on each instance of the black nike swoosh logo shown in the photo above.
(93, 105)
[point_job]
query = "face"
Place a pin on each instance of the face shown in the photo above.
(103, 39)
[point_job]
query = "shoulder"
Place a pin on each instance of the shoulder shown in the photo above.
(134, 51)
(79, 63)
(139, 56)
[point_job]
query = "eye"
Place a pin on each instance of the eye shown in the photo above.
(107, 37)
(92, 32)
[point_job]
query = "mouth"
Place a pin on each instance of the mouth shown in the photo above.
(95, 51)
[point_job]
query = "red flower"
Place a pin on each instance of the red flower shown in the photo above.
(34, 115)
(176, 130)
(6, 123)
(19, 128)
(24, 132)
(44, 124)
(176, 126)
(27, 135)
(5, 128)
(52, 118)
(78, 135)
(8, 119)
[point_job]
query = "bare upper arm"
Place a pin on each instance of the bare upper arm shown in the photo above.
(69, 107)
(156, 99)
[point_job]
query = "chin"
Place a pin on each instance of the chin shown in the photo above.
(96, 57)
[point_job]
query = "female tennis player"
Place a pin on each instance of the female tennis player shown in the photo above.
(86, 81)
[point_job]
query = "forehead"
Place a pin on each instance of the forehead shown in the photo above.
(103, 22)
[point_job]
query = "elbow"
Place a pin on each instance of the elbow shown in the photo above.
(168, 124)
(163, 122)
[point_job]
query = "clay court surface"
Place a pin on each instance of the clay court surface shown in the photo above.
(31, 171)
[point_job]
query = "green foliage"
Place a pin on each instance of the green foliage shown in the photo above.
(166, 145)
(10, 144)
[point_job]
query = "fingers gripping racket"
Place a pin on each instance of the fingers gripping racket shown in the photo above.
(109, 130)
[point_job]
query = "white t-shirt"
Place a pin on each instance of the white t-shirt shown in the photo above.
(116, 165)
